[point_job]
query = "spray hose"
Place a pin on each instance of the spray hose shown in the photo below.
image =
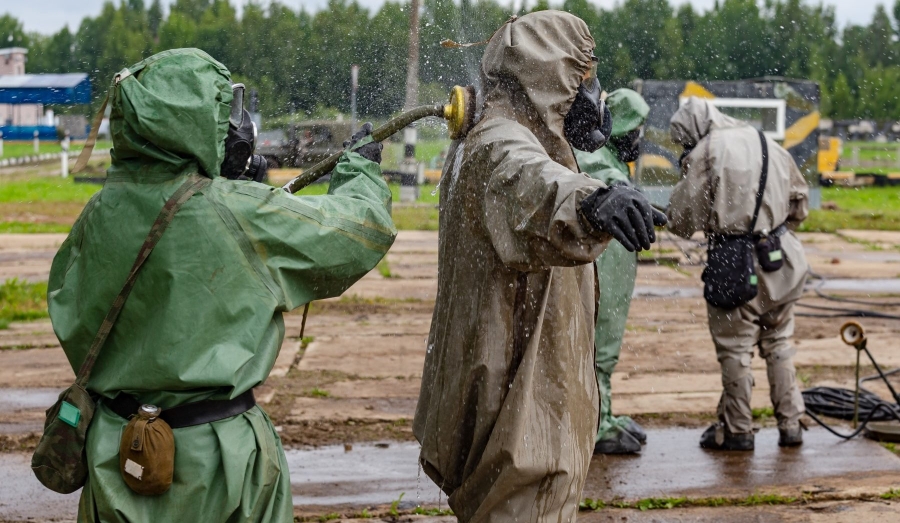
(459, 113)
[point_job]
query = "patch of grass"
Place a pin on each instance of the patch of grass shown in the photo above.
(672, 265)
(46, 189)
(763, 413)
(33, 228)
(316, 392)
(330, 516)
(306, 340)
(384, 268)
(422, 511)
(416, 218)
(15, 149)
(22, 301)
(395, 505)
(893, 448)
(875, 208)
(670, 503)
(891, 494)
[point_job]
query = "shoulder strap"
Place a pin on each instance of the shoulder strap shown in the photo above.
(762, 180)
(193, 184)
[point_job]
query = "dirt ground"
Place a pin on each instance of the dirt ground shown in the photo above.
(357, 375)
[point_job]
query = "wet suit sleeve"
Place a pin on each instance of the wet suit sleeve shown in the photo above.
(315, 247)
(691, 200)
(531, 204)
(799, 201)
(604, 166)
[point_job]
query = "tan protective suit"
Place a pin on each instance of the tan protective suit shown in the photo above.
(717, 195)
(509, 401)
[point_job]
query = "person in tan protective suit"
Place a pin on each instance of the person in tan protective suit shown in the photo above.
(509, 407)
(717, 195)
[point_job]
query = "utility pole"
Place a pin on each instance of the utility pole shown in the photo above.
(411, 172)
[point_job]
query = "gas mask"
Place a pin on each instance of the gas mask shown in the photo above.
(628, 146)
(588, 123)
(240, 163)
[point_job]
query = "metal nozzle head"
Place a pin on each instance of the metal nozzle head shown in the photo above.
(852, 333)
(460, 112)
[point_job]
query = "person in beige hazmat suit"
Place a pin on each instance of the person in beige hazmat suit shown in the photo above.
(509, 405)
(717, 195)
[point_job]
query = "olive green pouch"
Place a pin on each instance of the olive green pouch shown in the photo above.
(59, 461)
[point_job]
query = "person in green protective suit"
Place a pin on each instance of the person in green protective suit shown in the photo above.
(616, 269)
(204, 319)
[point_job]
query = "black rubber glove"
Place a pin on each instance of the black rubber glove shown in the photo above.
(370, 151)
(624, 213)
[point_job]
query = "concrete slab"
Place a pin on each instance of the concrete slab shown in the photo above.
(286, 356)
(672, 464)
(344, 409)
(890, 238)
(678, 402)
(380, 356)
(372, 286)
(35, 368)
(386, 388)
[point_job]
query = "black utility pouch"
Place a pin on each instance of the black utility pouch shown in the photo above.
(729, 279)
(769, 253)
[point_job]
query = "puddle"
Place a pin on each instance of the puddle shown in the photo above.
(862, 285)
(673, 464)
(366, 475)
(870, 285)
(14, 400)
(663, 291)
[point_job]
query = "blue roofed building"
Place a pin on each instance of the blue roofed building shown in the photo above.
(24, 97)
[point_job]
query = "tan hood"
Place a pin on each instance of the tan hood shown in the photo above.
(530, 73)
(695, 119)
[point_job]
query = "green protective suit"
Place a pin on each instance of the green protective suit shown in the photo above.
(616, 267)
(204, 320)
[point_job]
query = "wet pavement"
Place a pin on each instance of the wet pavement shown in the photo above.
(671, 465)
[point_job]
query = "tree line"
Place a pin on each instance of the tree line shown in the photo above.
(299, 62)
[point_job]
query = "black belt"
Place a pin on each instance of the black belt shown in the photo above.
(720, 238)
(189, 414)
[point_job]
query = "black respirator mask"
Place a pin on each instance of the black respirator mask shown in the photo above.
(628, 146)
(588, 124)
(240, 163)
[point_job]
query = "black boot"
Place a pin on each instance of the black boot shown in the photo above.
(637, 431)
(790, 437)
(717, 437)
(619, 442)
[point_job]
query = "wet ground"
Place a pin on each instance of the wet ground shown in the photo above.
(351, 478)
(358, 380)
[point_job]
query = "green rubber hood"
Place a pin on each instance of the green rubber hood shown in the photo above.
(628, 109)
(169, 114)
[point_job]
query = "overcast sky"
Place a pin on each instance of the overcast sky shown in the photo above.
(48, 16)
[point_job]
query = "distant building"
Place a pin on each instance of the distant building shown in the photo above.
(12, 63)
(24, 97)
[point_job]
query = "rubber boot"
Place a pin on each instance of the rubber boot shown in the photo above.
(635, 430)
(790, 436)
(618, 441)
(717, 437)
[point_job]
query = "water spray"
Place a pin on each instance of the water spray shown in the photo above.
(459, 114)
